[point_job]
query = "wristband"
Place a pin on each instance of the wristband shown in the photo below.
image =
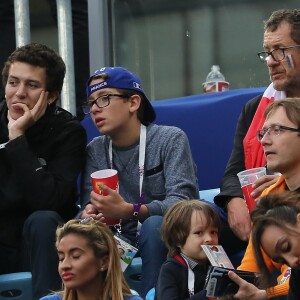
(136, 210)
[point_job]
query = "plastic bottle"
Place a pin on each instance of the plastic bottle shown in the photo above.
(215, 81)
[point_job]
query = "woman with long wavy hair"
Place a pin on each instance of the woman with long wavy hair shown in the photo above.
(89, 263)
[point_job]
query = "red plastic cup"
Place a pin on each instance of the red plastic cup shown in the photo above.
(247, 178)
(247, 190)
(108, 177)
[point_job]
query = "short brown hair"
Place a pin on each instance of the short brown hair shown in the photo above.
(39, 55)
(290, 16)
(291, 107)
(177, 222)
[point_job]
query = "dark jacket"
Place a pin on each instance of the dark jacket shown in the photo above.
(39, 170)
(172, 283)
(294, 291)
(230, 186)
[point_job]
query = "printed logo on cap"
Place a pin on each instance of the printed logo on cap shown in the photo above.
(136, 85)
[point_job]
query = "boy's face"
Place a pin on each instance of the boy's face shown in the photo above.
(200, 234)
(113, 118)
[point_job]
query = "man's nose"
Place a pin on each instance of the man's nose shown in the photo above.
(265, 139)
(21, 91)
(271, 61)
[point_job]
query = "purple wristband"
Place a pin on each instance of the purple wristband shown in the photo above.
(136, 210)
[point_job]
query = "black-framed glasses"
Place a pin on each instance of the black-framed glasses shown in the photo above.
(104, 100)
(277, 54)
(274, 130)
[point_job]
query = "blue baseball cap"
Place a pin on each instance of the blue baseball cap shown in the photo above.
(120, 78)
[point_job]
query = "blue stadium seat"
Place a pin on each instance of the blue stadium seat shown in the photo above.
(209, 195)
(16, 286)
(150, 295)
(133, 292)
(133, 274)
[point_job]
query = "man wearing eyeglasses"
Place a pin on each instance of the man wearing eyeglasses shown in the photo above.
(154, 164)
(280, 139)
(282, 57)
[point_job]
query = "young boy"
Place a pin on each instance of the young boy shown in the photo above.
(186, 226)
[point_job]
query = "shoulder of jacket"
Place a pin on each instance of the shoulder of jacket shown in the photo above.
(99, 140)
(61, 117)
(176, 261)
(253, 103)
(164, 130)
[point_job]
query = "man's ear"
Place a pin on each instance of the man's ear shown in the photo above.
(135, 102)
(52, 97)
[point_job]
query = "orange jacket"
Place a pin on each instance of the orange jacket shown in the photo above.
(249, 263)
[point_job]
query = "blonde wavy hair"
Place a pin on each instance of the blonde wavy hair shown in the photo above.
(113, 285)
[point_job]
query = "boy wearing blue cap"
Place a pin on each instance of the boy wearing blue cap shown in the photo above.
(154, 164)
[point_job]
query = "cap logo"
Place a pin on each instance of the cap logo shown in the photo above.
(93, 88)
(137, 85)
(98, 86)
